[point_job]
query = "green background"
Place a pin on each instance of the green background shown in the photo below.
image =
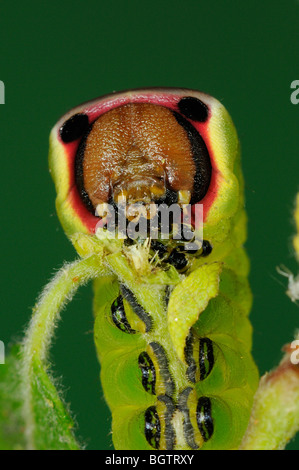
(55, 55)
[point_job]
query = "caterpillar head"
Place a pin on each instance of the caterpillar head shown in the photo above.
(145, 147)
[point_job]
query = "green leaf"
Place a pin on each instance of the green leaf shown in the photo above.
(53, 427)
(189, 299)
(11, 418)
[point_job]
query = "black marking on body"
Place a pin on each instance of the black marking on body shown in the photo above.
(171, 197)
(206, 248)
(168, 290)
(159, 247)
(201, 159)
(119, 316)
(74, 127)
(188, 352)
(178, 260)
(152, 427)
(193, 109)
(163, 368)
(198, 367)
(137, 308)
(168, 415)
(204, 418)
(79, 174)
(184, 408)
(148, 372)
(206, 357)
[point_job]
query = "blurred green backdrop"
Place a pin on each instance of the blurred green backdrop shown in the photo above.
(55, 55)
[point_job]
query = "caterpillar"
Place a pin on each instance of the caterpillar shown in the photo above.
(171, 324)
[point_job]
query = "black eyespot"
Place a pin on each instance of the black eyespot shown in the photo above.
(119, 316)
(148, 372)
(193, 108)
(74, 128)
(152, 427)
(204, 418)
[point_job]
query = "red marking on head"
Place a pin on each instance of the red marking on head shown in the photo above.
(94, 110)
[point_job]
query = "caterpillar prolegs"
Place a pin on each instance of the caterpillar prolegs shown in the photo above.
(171, 317)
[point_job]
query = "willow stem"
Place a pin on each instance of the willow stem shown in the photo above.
(38, 337)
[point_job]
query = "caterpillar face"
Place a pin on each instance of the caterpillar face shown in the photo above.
(155, 145)
(143, 152)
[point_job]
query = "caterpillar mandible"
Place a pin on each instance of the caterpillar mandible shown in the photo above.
(171, 323)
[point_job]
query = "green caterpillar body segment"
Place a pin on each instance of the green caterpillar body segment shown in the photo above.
(171, 324)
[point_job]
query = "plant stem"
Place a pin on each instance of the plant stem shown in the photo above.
(40, 331)
(275, 414)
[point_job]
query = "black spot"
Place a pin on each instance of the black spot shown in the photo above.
(206, 357)
(119, 316)
(152, 427)
(204, 418)
(148, 372)
(74, 127)
(206, 248)
(129, 241)
(171, 197)
(178, 260)
(159, 247)
(201, 159)
(194, 109)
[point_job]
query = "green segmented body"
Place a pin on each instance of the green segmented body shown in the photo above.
(207, 406)
(171, 327)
